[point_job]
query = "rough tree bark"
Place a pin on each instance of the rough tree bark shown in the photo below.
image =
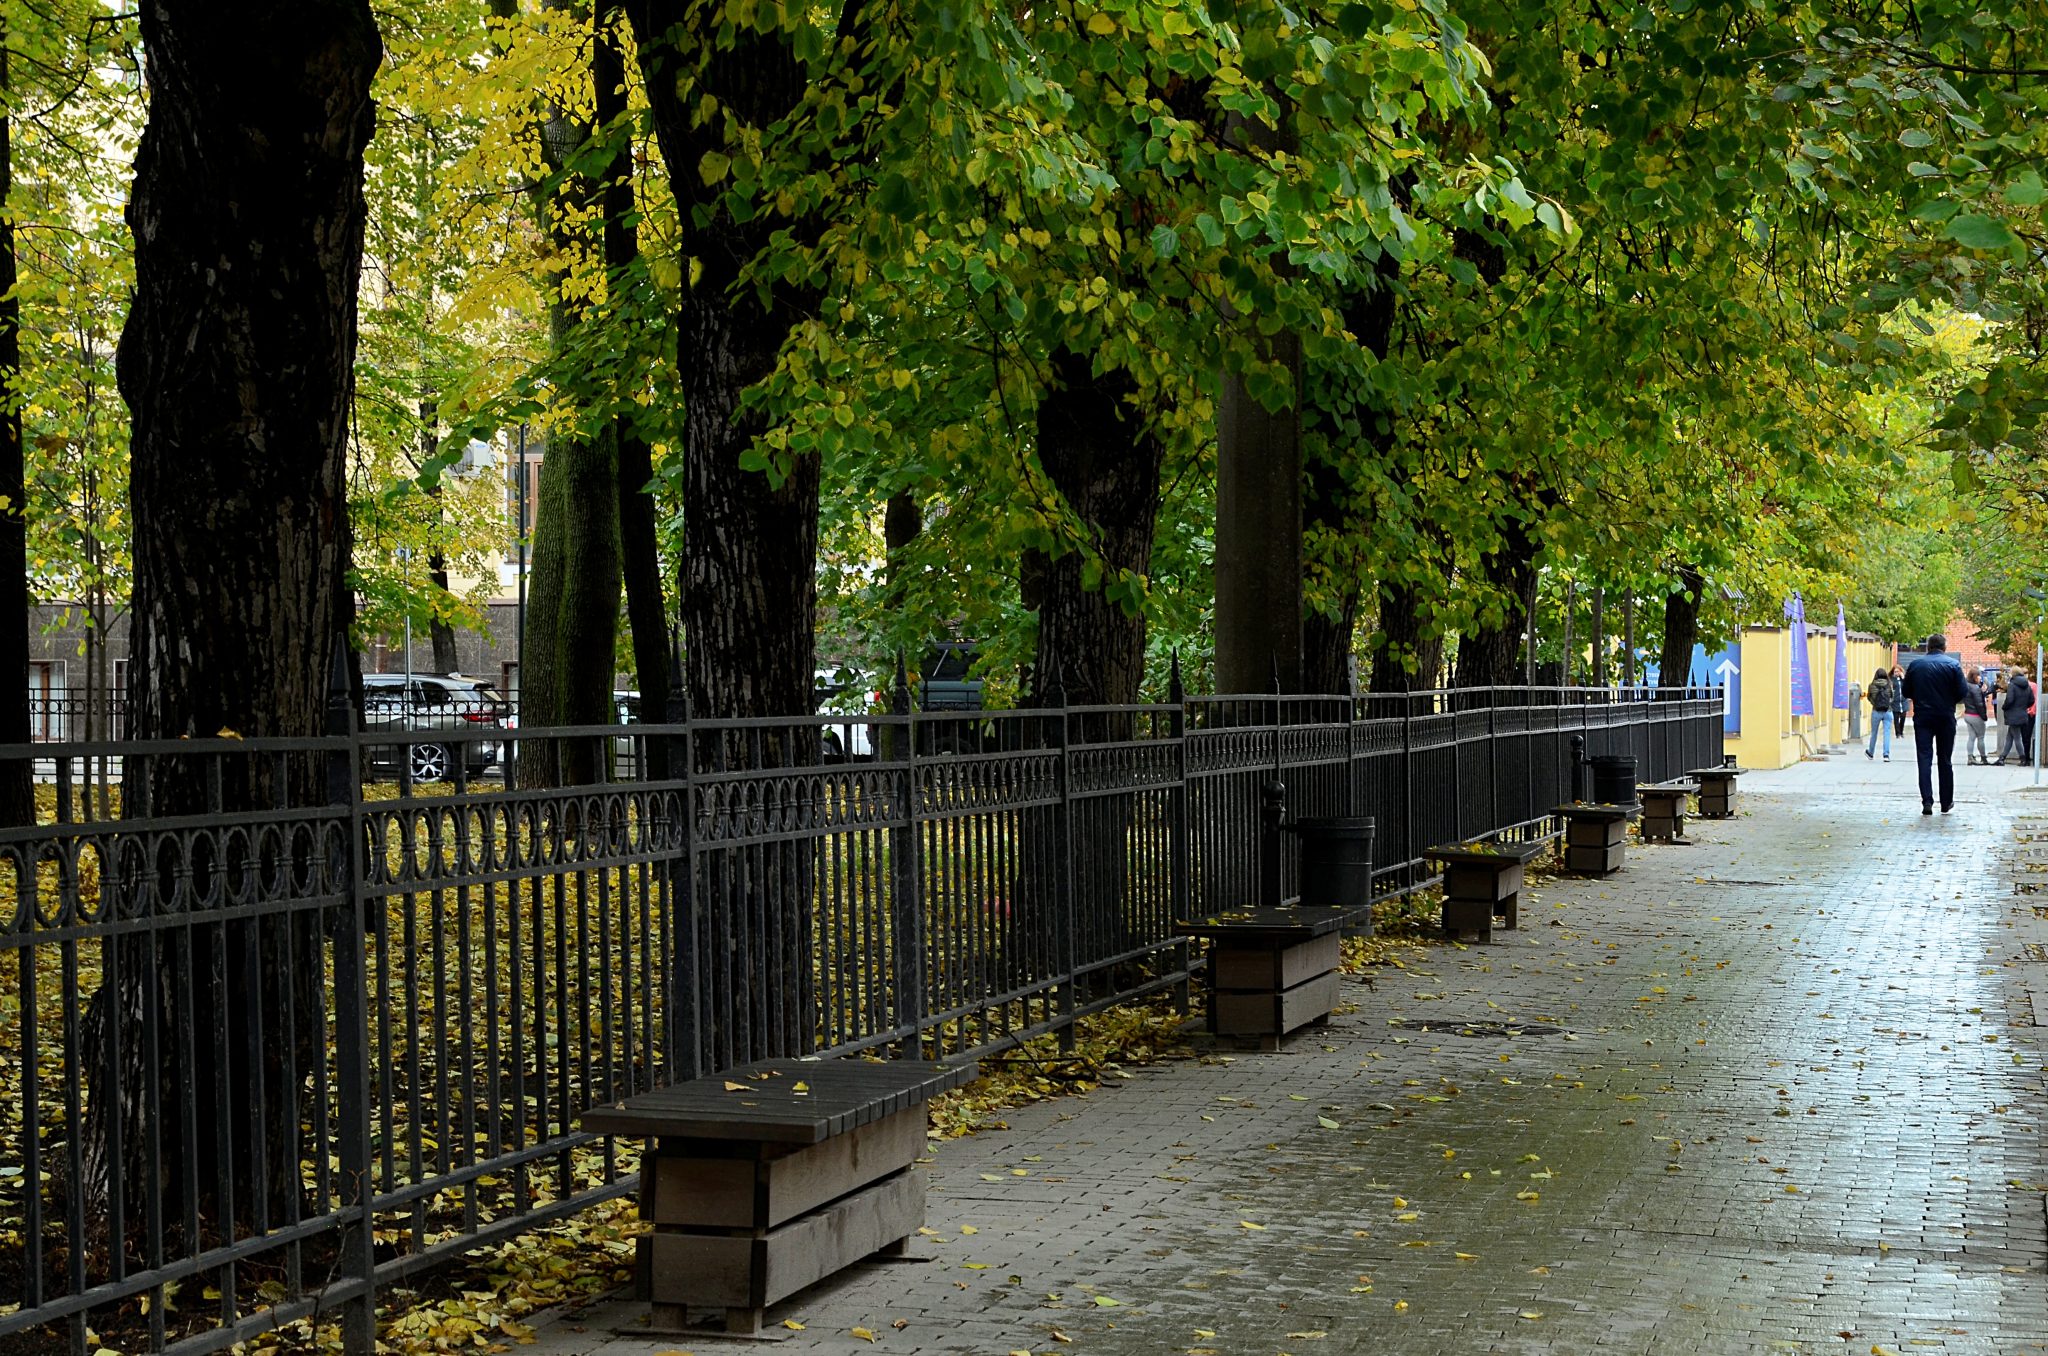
(439, 632)
(1259, 508)
(1405, 635)
(17, 791)
(646, 609)
(1681, 627)
(236, 364)
(1487, 653)
(567, 664)
(1332, 510)
(1104, 458)
(749, 593)
(748, 590)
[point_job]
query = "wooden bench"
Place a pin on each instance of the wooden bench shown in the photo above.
(767, 1178)
(1271, 971)
(1664, 810)
(1717, 790)
(1595, 837)
(1481, 881)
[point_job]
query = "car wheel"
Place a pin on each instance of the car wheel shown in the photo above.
(430, 762)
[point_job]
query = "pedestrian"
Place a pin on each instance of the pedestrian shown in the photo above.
(1882, 694)
(2017, 709)
(1934, 689)
(1899, 710)
(1975, 694)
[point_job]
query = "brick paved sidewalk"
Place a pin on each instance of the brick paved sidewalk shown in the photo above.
(1797, 1107)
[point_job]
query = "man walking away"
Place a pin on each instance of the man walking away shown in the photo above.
(1934, 686)
(2019, 719)
(1881, 694)
(1974, 693)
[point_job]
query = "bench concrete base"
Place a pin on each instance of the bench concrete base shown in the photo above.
(1483, 883)
(1271, 971)
(768, 1178)
(1717, 790)
(1595, 838)
(1664, 811)
(741, 1226)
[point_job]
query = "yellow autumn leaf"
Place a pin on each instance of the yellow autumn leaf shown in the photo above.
(792, 1325)
(1100, 24)
(863, 1334)
(1247, 1224)
(1466, 1256)
(1400, 1306)
(731, 1086)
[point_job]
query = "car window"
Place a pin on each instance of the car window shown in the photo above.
(430, 694)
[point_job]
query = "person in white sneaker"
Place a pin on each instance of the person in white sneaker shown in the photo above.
(1881, 693)
(1974, 694)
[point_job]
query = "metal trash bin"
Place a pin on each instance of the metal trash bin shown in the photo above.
(1336, 861)
(1614, 778)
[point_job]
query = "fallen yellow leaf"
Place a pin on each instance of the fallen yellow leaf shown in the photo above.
(863, 1334)
(1247, 1224)
(792, 1325)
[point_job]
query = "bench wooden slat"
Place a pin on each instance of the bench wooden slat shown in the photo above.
(840, 1095)
(1284, 924)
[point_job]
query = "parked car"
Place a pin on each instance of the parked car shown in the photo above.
(434, 701)
(946, 682)
(840, 694)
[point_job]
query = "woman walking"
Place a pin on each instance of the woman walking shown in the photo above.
(1881, 694)
(1973, 715)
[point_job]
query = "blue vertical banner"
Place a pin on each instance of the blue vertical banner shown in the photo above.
(1841, 659)
(1802, 663)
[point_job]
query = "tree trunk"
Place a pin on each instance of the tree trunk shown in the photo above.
(1258, 531)
(1681, 627)
(569, 659)
(439, 632)
(1411, 650)
(639, 543)
(749, 593)
(236, 364)
(17, 790)
(1104, 458)
(1259, 506)
(748, 590)
(1486, 654)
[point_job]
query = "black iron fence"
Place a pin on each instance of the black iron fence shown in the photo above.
(274, 1033)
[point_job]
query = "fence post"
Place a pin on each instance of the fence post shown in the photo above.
(906, 881)
(1273, 808)
(351, 1013)
(1177, 825)
(1065, 911)
(685, 981)
(1408, 835)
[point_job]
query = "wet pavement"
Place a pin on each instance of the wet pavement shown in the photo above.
(1794, 1104)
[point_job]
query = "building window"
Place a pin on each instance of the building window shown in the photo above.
(46, 711)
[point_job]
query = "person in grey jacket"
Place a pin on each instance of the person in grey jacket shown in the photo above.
(2019, 720)
(1974, 694)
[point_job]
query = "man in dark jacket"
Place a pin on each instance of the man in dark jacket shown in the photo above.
(2018, 711)
(1934, 685)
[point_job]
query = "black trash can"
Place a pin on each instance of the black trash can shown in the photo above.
(1336, 861)
(1614, 778)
